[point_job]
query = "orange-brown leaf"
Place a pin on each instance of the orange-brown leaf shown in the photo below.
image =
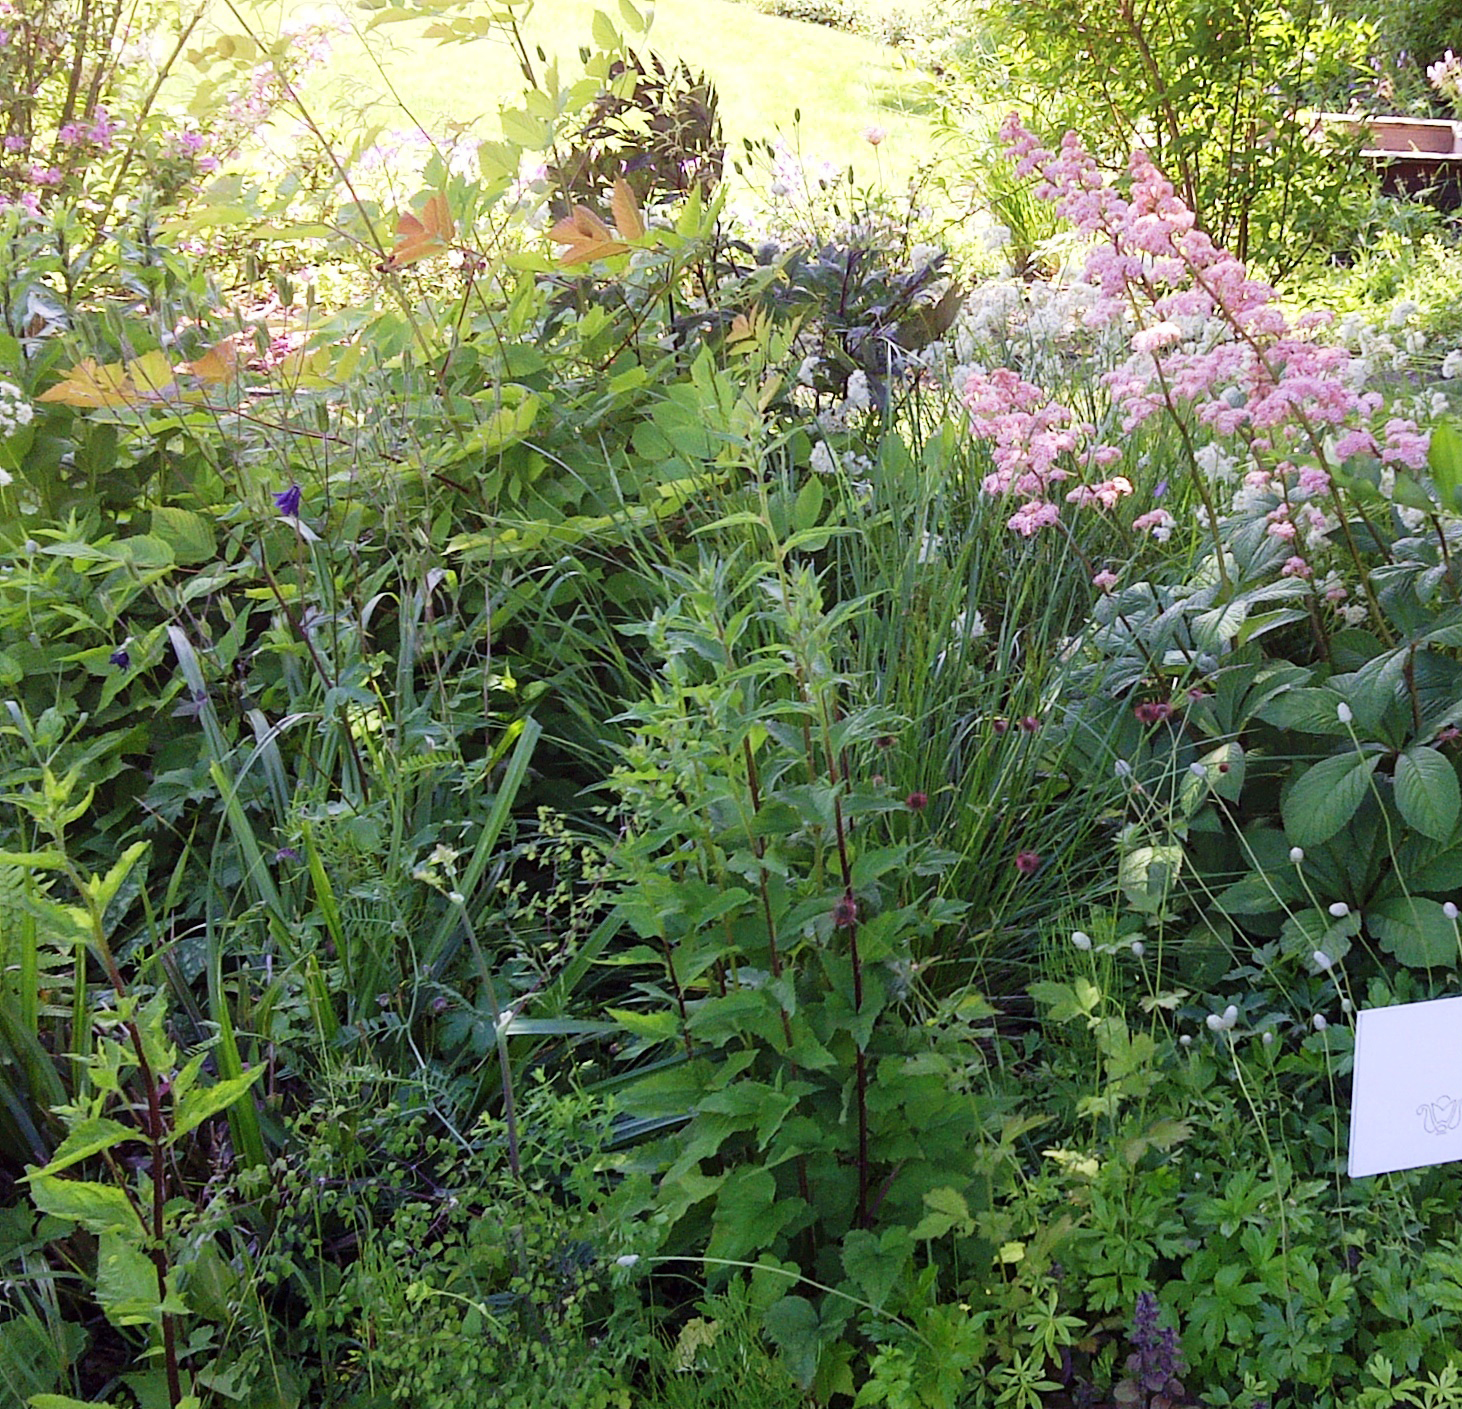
(586, 236)
(626, 211)
(217, 367)
(419, 236)
(89, 384)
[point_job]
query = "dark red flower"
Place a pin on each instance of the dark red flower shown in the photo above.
(845, 912)
(916, 802)
(1154, 711)
(1027, 862)
(1030, 724)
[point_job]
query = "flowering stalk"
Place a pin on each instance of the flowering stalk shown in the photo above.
(1209, 347)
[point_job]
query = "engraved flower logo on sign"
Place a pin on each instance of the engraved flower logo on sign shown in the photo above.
(1440, 1116)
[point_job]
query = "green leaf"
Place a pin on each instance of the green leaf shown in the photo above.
(1326, 797)
(1444, 458)
(189, 535)
(86, 1138)
(104, 889)
(525, 131)
(65, 1401)
(1067, 1001)
(99, 1208)
(1427, 792)
(792, 1324)
(749, 1215)
(604, 32)
(1416, 930)
(652, 1027)
(947, 1210)
(126, 1283)
(1406, 491)
(198, 1106)
(1310, 931)
(875, 1264)
(1307, 708)
(807, 511)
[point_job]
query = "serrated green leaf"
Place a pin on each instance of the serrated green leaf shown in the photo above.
(1415, 929)
(876, 1263)
(1427, 793)
(948, 1210)
(86, 1138)
(652, 1027)
(604, 32)
(792, 1323)
(1309, 709)
(99, 1208)
(1326, 797)
(197, 1106)
(188, 534)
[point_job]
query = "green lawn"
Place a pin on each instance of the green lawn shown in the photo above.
(765, 68)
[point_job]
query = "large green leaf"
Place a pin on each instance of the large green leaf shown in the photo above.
(1326, 798)
(875, 1264)
(1416, 930)
(1427, 792)
(89, 1137)
(793, 1325)
(99, 1208)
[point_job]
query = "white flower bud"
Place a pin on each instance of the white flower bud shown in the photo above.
(1346, 1006)
(1449, 910)
(1340, 909)
(1185, 1040)
(1322, 960)
(1198, 771)
(1268, 1039)
(1342, 712)
(1215, 1022)
(1122, 768)
(628, 1260)
(1081, 940)
(1320, 1023)
(1296, 854)
(1230, 1015)
(1138, 949)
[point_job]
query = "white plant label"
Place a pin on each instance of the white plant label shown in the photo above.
(1406, 1094)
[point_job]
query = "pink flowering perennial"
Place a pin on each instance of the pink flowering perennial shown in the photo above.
(1208, 344)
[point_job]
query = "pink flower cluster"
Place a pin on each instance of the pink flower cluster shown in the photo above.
(1036, 442)
(1208, 343)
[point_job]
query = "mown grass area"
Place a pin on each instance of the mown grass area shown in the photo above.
(767, 70)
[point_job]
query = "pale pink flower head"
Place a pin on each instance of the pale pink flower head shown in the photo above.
(875, 135)
(1158, 522)
(1030, 518)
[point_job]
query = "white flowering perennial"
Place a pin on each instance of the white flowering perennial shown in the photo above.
(15, 411)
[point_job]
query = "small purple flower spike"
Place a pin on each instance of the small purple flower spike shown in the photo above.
(288, 501)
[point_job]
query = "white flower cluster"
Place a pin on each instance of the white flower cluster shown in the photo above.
(15, 410)
(1378, 350)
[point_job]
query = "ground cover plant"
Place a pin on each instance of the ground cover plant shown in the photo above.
(614, 795)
